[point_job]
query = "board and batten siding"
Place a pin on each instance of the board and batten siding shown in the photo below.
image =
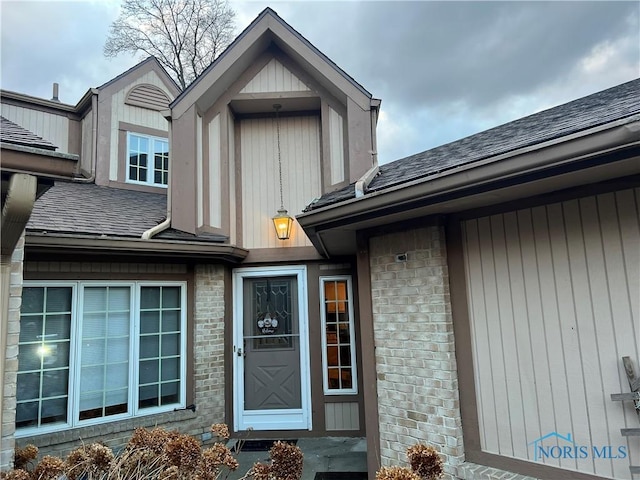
(233, 206)
(336, 142)
(87, 142)
(199, 174)
(215, 173)
(51, 127)
(300, 153)
(275, 77)
(553, 300)
(342, 416)
(143, 117)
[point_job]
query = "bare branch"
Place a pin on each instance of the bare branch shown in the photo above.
(185, 36)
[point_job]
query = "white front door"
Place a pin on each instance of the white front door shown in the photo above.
(271, 355)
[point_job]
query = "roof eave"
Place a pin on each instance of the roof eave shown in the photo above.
(564, 151)
(21, 97)
(38, 161)
(107, 245)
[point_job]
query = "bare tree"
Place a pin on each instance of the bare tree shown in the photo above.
(185, 36)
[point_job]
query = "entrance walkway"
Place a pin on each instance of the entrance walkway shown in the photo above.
(328, 454)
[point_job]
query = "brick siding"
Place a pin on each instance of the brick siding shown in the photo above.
(11, 358)
(415, 355)
(418, 398)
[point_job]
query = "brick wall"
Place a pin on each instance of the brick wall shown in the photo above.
(209, 343)
(11, 358)
(207, 330)
(415, 356)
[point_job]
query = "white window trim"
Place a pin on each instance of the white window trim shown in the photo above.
(352, 338)
(74, 372)
(151, 167)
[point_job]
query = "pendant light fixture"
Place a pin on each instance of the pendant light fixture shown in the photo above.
(281, 221)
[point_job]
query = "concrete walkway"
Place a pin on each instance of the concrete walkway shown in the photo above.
(328, 454)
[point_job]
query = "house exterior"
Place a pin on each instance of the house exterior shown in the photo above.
(447, 297)
(501, 273)
(155, 290)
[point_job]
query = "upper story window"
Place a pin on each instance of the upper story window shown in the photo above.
(148, 159)
(91, 352)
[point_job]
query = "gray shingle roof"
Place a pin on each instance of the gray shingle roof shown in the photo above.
(96, 210)
(89, 209)
(616, 103)
(14, 134)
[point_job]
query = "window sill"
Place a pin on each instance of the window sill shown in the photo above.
(63, 433)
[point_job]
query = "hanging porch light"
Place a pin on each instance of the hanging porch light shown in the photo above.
(281, 221)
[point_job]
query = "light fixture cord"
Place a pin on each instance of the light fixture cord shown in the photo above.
(277, 107)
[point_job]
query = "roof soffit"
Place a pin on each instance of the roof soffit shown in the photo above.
(266, 30)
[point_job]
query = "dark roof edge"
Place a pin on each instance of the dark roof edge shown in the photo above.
(130, 246)
(23, 97)
(614, 135)
(241, 35)
(39, 151)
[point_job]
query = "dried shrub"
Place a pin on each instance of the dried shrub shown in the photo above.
(425, 461)
(286, 461)
(220, 430)
(183, 451)
(260, 471)
(396, 473)
(15, 475)
(89, 462)
(286, 464)
(24, 456)
(155, 454)
(49, 468)
(212, 461)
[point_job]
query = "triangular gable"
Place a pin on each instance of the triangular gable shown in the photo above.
(268, 29)
(147, 65)
(275, 77)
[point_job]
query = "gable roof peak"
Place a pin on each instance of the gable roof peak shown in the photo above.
(269, 28)
(149, 59)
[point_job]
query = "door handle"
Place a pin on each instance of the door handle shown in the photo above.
(241, 353)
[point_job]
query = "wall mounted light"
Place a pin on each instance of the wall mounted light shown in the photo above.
(281, 221)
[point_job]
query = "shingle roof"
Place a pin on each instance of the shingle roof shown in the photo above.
(616, 103)
(14, 134)
(89, 209)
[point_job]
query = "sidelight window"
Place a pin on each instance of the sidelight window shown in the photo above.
(338, 336)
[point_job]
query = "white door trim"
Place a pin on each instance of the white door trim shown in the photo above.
(292, 419)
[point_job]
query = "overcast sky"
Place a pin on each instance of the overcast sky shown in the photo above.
(443, 70)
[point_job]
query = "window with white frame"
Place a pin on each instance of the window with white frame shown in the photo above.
(91, 352)
(338, 336)
(148, 159)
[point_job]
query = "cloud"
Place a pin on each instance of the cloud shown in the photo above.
(46, 42)
(443, 70)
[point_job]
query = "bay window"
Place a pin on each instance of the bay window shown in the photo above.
(338, 336)
(91, 352)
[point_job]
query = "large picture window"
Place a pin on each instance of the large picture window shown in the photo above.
(338, 336)
(91, 352)
(148, 159)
